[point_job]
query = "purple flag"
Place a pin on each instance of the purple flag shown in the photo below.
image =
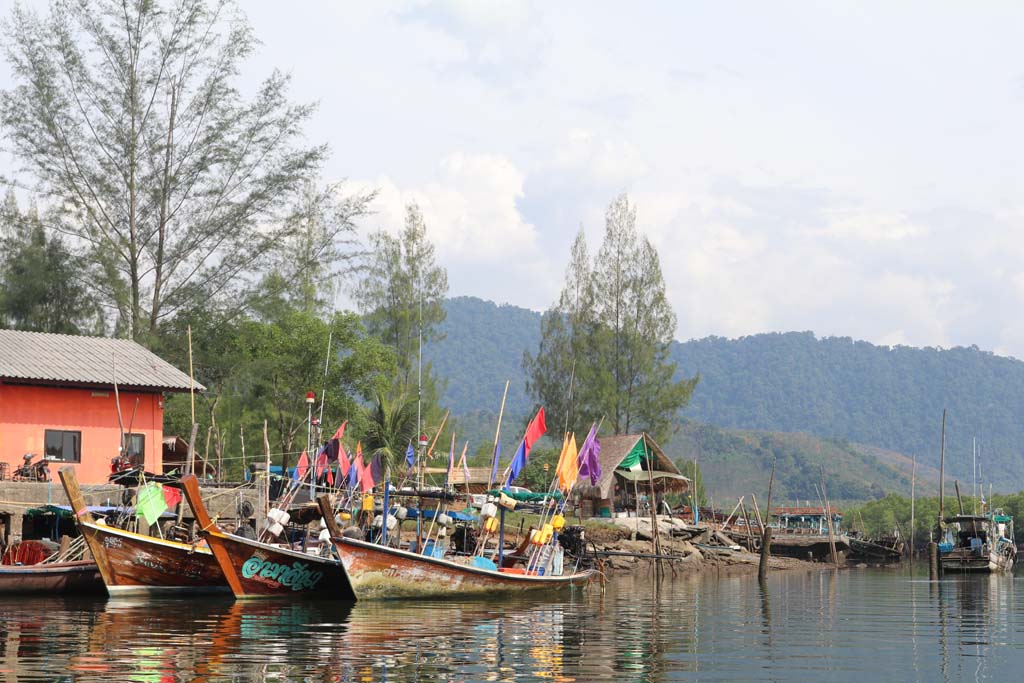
(590, 463)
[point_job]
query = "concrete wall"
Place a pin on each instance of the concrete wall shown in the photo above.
(26, 412)
(17, 497)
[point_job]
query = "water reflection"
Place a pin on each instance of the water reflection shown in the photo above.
(842, 626)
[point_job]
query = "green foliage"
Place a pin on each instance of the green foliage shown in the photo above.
(256, 369)
(390, 428)
(127, 119)
(882, 517)
(41, 288)
(604, 347)
(401, 292)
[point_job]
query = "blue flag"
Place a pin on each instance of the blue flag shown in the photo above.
(518, 462)
(353, 476)
(410, 455)
(497, 458)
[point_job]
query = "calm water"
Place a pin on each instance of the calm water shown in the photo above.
(858, 625)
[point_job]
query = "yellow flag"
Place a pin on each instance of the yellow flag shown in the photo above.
(569, 468)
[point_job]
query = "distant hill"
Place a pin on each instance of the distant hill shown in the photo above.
(834, 388)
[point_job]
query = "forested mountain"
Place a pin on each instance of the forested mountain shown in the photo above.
(835, 388)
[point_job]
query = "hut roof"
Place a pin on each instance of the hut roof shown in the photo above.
(617, 450)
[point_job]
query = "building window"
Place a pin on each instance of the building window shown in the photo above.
(62, 445)
(136, 447)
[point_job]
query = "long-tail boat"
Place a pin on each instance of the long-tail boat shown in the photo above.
(254, 569)
(29, 567)
(136, 564)
(379, 571)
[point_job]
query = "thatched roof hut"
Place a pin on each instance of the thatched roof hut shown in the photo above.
(635, 457)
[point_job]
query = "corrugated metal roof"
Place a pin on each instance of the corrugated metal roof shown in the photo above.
(87, 360)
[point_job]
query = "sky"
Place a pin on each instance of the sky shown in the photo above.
(848, 168)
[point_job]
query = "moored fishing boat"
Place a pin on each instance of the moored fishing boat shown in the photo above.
(254, 569)
(26, 568)
(136, 564)
(379, 571)
(978, 544)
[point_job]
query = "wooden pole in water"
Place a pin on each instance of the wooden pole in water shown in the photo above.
(942, 474)
(959, 500)
(933, 560)
(655, 531)
(913, 480)
(766, 532)
(828, 519)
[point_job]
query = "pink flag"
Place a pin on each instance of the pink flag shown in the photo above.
(302, 467)
(341, 431)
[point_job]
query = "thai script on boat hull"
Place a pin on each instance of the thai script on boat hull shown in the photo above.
(297, 576)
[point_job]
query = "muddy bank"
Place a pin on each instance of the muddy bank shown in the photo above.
(616, 553)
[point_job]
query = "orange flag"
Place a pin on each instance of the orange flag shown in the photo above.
(568, 467)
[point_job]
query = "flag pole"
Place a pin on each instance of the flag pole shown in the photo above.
(497, 435)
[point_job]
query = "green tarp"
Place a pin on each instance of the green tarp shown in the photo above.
(633, 458)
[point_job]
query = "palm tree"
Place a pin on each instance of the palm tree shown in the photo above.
(391, 428)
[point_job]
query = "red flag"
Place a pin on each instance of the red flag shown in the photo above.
(535, 430)
(172, 496)
(330, 476)
(302, 467)
(341, 431)
(343, 463)
(366, 476)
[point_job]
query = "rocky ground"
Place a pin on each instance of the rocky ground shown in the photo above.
(621, 547)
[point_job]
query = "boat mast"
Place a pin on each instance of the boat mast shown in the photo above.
(974, 490)
(942, 469)
(419, 391)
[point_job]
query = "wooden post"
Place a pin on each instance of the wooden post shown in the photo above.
(959, 500)
(497, 436)
(933, 560)
(191, 376)
(188, 467)
(766, 553)
(913, 480)
(757, 513)
(655, 531)
(241, 435)
(942, 475)
(266, 472)
(828, 519)
(327, 512)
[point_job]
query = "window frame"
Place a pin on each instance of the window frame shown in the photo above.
(76, 456)
(128, 437)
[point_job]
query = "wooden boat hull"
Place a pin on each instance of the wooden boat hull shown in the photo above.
(381, 572)
(267, 571)
(254, 569)
(143, 565)
(81, 577)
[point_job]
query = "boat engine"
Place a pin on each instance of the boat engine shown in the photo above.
(464, 539)
(573, 541)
